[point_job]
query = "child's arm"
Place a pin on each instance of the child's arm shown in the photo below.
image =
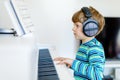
(94, 68)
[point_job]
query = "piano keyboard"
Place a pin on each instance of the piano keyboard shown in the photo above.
(48, 70)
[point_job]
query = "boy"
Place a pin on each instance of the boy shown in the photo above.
(90, 58)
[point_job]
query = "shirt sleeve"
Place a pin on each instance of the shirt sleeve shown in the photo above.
(93, 69)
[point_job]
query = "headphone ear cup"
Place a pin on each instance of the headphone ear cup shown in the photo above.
(90, 27)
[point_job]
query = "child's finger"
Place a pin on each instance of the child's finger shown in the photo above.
(58, 59)
(61, 62)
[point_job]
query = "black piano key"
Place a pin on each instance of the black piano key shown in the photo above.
(46, 60)
(45, 51)
(51, 77)
(46, 69)
(47, 73)
(45, 57)
(45, 63)
(42, 66)
(43, 72)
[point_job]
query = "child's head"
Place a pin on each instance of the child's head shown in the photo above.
(83, 15)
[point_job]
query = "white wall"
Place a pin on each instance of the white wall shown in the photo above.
(52, 19)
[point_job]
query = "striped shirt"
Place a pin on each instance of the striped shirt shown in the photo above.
(90, 61)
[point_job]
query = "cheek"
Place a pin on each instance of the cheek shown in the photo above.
(80, 32)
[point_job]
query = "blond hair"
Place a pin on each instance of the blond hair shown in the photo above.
(80, 17)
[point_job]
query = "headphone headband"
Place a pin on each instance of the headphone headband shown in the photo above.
(87, 12)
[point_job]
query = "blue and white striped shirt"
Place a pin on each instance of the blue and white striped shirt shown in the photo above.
(90, 61)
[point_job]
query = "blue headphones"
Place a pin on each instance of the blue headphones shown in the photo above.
(90, 26)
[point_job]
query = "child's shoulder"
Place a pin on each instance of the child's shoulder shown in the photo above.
(94, 43)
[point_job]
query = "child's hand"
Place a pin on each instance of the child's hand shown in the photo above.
(63, 60)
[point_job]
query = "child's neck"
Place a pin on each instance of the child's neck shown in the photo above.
(87, 39)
